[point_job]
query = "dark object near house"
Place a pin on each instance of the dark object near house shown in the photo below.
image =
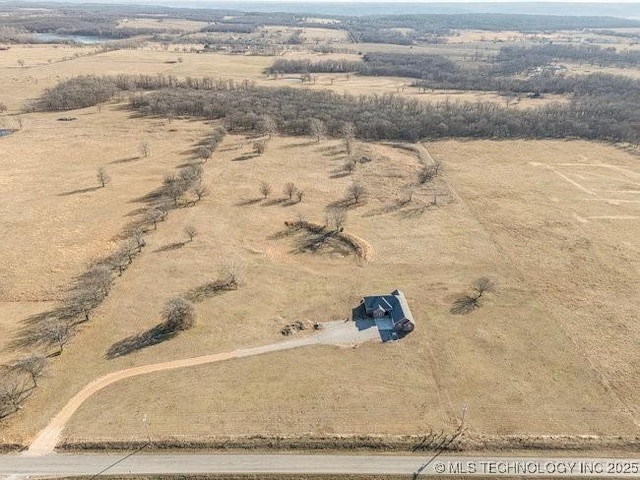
(390, 312)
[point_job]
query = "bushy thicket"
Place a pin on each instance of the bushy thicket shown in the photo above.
(77, 92)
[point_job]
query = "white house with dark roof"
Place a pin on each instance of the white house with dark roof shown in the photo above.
(390, 312)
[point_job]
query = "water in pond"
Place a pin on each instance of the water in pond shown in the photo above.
(85, 39)
(4, 132)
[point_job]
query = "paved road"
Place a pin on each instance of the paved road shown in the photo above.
(17, 466)
(333, 333)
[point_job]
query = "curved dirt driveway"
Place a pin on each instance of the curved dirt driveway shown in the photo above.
(334, 333)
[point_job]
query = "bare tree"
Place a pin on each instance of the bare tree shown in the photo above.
(260, 146)
(3, 107)
(348, 132)
(99, 277)
(57, 332)
(103, 177)
(121, 259)
(482, 286)
(12, 394)
(467, 303)
(33, 365)
(21, 63)
(174, 187)
(178, 314)
(317, 129)
(191, 232)
(267, 126)
(265, 189)
(300, 195)
(138, 236)
(336, 218)
(153, 216)
(357, 192)
(289, 189)
(349, 166)
(200, 191)
(204, 153)
(145, 149)
(437, 167)
(82, 300)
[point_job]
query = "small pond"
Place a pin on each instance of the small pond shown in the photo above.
(5, 131)
(85, 39)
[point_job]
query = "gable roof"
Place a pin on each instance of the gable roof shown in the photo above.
(394, 304)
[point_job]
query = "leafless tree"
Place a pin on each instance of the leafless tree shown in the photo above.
(200, 191)
(121, 259)
(204, 153)
(98, 277)
(482, 286)
(191, 175)
(349, 166)
(145, 149)
(289, 189)
(265, 189)
(437, 167)
(467, 303)
(267, 126)
(57, 332)
(153, 216)
(138, 236)
(3, 107)
(12, 394)
(174, 188)
(317, 129)
(191, 232)
(357, 192)
(103, 177)
(178, 314)
(82, 300)
(260, 146)
(21, 62)
(299, 195)
(348, 132)
(336, 218)
(33, 365)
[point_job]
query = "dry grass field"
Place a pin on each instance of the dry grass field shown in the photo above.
(552, 223)
(531, 361)
(173, 25)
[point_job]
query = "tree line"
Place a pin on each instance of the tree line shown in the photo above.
(602, 108)
(515, 59)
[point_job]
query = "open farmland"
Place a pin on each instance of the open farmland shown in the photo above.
(536, 342)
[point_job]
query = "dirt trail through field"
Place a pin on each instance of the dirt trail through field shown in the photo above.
(334, 333)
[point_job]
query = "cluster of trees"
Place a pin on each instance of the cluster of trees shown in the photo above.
(515, 59)
(187, 183)
(602, 108)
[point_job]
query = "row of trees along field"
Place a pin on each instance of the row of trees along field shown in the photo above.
(436, 71)
(604, 110)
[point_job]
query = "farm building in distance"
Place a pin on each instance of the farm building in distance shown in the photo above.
(390, 312)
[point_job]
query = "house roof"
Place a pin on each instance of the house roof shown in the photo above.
(394, 304)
